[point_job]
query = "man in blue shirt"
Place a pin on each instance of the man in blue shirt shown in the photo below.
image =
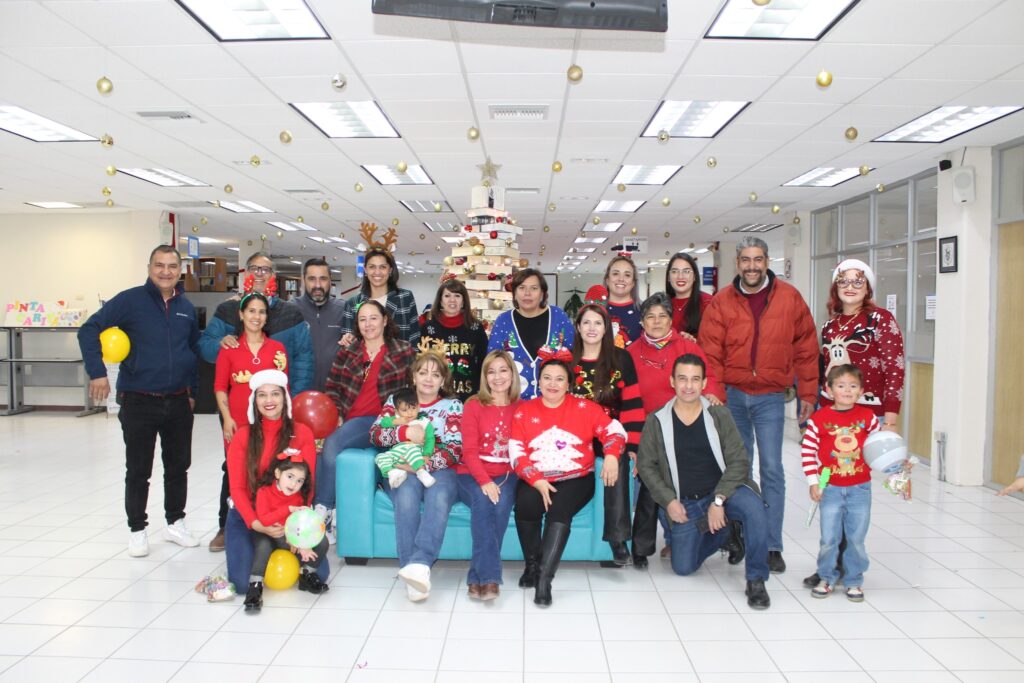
(155, 388)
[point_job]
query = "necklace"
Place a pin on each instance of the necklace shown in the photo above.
(843, 326)
(255, 358)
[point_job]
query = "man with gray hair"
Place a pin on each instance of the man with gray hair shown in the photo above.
(758, 335)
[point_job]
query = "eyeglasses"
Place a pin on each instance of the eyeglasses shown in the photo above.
(260, 270)
(856, 284)
(684, 272)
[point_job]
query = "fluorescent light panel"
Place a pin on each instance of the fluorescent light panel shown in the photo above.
(290, 226)
(425, 205)
(778, 20)
(824, 176)
(38, 128)
(348, 250)
(209, 240)
(944, 123)
(692, 118)
(602, 227)
(163, 177)
(758, 227)
(452, 240)
(612, 206)
(243, 206)
(447, 226)
(389, 175)
(55, 205)
(590, 240)
(318, 238)
(638, 174)
(256, 19)
(364, 119)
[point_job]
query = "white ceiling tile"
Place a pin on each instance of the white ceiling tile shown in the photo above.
(1001, 92)
(532, 56)
(1001, 26)
(903, 22)
(653, 55)
(517, 88)
(215, 92)
(964, 62)
(712, 88)
(315, 89)
(397, 57)
(183, 61)
(744, 57)
(925, 93)
(629, 111)
(29, 24)
(783, 112)
(419, 87)
(133, 22)
(804, 89)
(858, 60)
(290, 58)
(402, 111)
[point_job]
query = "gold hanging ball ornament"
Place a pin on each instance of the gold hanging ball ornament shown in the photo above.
(422, 236)
(667, 234)
(796, 220)
(632, 231)
(111, 170)
(448, 261)
(557, 167)
(776, 208)
(325, 206)
(437, 207)
(696, 219)
(204, 220)
(300, 219)
(338, 81)
(478, 250)
(711, 162)
(195, 228)
(437, 247)
(474, 240)
(473, 133)
(105, 191)
(824, 78)
(761, 3)
(725, 229)
(547, 228)
(851, 133)
(110, 202)
(665, 201)
(358, 187)
(865, 169)
(752, 196)
(402, 167)
(105, 86)
(228, 188)
(663, 136)
(597, 220)
(107, 141)
(280, 234)
(394, 222)
(575, 73)
(509, 242)
(552, 207)
(880, 187)
(285, 136)
(523, 262)
(254, 161)
(621, 187)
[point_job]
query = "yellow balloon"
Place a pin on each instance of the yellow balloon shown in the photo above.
(282, 570)
(115, 345)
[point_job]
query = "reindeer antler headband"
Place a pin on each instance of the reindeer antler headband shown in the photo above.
(367, 231)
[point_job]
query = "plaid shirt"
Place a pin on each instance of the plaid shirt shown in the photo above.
(345, 380)
(401, 307)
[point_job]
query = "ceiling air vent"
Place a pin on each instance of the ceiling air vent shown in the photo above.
(518, 112)
(169, 115)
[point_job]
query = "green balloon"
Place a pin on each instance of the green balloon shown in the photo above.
(304, 528)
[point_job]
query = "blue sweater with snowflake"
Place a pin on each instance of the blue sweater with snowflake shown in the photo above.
(506, 336)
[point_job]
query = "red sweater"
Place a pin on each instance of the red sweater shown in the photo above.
(679, 311)
(238, 478)
(873, 342)
(835, 439)
(558, 443)
(654, 369)
(236, 366)
(485, 438)
(272, 505)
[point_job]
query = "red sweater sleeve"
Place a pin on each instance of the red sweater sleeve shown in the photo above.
(631, 413)
(809, 451)
(238, 484)
(471, 414)
(608, 431)
(222, 373)
(521, 461)
(890, 342)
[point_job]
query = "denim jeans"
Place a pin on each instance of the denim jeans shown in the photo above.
(487, 525)
(142, 418)
(763, 416)
(239, 552)
(690, 547)
(354, 433)
(419, 534)
(844, 509)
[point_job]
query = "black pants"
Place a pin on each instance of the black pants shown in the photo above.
(263, 546)
(571, 497)
(617, 504)
(143, 418)
(225, 488)
(645, 523)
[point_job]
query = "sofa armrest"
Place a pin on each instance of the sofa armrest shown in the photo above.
(356, 475)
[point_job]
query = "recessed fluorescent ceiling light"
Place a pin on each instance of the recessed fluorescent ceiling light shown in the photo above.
(348, 119)
(242, 207)
(163, 177)
(758, 227)
(824, 176)
(337, 239)
(452, 240)
(256, 19)
(317, 238)
(349, 250)
(586, 250)
(389, 175)
(645, 175)
(38, 128)
(602, 227)
(944, 123)
(442, 227)
(425, 205)
(55, 205)
(590, 240)
(298, 263)
(232, 248)
(611, 206)
(281, 225)
(786, 20)
(692, 119)
(209, 240)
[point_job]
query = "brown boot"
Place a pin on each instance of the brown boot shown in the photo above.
(217, 544)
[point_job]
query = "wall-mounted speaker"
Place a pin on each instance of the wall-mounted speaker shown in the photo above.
(963, 185)
(794, 235)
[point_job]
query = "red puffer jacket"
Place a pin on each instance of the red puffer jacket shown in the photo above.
(787, 346)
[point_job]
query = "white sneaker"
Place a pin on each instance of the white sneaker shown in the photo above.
(417, 576)
(179, 533)
(322, 510)
(138, 544)
(414, 595)
(396, 477)
(425, 478)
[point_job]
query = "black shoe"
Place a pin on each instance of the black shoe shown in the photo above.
(529, 540)
(734, 546)
(640, 562)
(776, 565)
(556, 535)
(312, 583)
(254, 597)
(812, 580)
(757, 596)
(620, 553)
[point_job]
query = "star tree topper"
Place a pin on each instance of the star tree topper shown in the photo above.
(488, 170)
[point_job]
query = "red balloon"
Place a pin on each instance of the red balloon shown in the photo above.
(317, 411)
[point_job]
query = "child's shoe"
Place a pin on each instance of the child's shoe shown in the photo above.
(396, 477)
(425, 478)
(855, 594)
(822, 590)
(312, 583)
(254, 598)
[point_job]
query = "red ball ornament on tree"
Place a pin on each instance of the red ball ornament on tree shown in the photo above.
(494, 234)
(492, 276)
(460, 261)
(469, 228)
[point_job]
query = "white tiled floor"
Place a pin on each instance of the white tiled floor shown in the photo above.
(944, 596)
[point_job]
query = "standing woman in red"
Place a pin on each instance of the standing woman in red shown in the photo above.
(552, 452)
(682, 283)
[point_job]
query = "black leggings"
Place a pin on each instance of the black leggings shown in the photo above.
(263, 546)
(571, 497)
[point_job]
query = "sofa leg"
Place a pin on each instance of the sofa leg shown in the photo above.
(357, 561)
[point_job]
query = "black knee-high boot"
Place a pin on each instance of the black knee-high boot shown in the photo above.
(556, 535)
(530, 541)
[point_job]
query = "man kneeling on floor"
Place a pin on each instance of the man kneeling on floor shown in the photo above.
(692, 459)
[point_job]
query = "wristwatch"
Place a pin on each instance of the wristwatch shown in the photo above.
(719, 500)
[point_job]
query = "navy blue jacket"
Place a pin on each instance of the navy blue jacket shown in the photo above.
(164, 339)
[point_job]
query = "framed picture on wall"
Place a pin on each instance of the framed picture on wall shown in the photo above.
(947, 255)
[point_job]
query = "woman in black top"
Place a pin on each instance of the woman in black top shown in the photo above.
(450, 328)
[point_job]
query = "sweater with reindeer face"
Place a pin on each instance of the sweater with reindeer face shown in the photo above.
(835, 439)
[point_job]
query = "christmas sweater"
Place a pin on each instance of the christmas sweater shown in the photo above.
(625, 323)
(835, 439)
(625, 404)
(873, 342)
(505, 337)
(486, 431)
(557, 443)
(235, 367)
(272, 505)
(653, 362)
(446, 416)
(465, 347)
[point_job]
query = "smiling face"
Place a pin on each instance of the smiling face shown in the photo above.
(657, 322)
(752, 264)
(378, 270)
(681, 276)
(852, 288)
(317, 283)
(688, 382)
(370, 322)
(591, 328)
(291, 480)
(165, 270)
(499, 378)
(270, 401)
(554, 383)
(451, 303)
(846, 389)
(620, 281)
(254, 315)
(262, 270)
(529, 295)
(428, 381)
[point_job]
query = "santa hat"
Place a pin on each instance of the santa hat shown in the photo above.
(598, 294)
(263, 378)
(855, 264)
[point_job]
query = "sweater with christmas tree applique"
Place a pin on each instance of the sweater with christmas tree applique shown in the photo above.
(464, 345)
(556, 444)
(835, 439)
